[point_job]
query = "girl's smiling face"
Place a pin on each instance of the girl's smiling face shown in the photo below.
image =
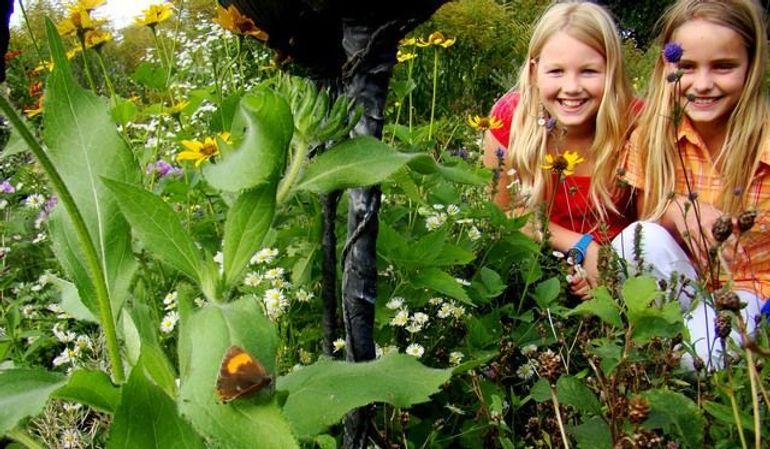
(570, 76)
(714, 67)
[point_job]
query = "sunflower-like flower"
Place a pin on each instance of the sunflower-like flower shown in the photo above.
(198, 151)
(436, 38)
(563, 164)
(87, 5)
(154, 15)
(484, 123)
(97, 38)
(78, 21)
(403, 56)
(232, 20)
(177, 108)
(407, 42)
(74, 51)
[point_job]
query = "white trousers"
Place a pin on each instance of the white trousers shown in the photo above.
(664, 256)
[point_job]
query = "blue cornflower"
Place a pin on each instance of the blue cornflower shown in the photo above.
(672, 52)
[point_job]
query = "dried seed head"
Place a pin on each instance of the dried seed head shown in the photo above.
(746, 220)
(698, 364)
(723, 228)
(723, 324)
(550, 365)
(727, 300)
(638, 409)
(646, 439)
(403, 417)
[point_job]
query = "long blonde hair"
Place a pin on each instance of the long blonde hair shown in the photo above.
(592, 25)
(746, 126)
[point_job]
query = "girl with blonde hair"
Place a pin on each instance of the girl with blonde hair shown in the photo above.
(564, 127)
(698, 171)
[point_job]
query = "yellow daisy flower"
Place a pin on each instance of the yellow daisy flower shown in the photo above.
(232, 20)
(97, 38)
(403, 56)
(154, 15)
(436, 38)
(77, 21)
(484, 123)
(198, 151)
(563, 164)
(87, 5)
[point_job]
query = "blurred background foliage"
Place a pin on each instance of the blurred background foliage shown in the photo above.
(492, 37)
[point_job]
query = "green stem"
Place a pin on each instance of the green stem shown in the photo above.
(91, 257)
(86, 65)
(24, 438)
(736, 415)
(291, 174)
(107, 80)
(29, 30)
(754, 398)
(411, 107)
(435, 86)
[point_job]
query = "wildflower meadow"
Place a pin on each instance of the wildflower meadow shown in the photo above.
(224, 225)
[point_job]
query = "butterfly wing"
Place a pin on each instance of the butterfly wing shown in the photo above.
(240, 374)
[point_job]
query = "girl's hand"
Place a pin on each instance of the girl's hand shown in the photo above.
(585, 277)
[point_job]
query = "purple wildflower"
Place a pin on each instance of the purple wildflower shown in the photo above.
(672, 52)
(162, 168)
(7, 187)
(50, 203)
(550, 123)
(500, 152)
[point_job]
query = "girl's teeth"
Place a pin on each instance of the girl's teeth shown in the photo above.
(704, 100)
(571, 103)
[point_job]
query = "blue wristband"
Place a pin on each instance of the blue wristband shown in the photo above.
(579, 249)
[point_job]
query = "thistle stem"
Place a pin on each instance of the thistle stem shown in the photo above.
(556, 411)
(91, 257)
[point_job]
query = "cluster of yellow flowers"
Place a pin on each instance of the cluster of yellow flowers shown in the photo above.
(436, 39)
(154, 15)
(78, 22)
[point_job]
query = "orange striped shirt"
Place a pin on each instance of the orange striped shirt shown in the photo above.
(751, 268)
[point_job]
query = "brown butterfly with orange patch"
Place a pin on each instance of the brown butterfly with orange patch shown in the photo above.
(240, 374)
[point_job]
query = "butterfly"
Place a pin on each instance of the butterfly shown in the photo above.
(240, 374)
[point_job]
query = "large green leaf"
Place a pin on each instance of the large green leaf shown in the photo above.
(157, 226)
(23, 393)
(71, 301)
(460, 172)
(93, 388)
(653, 322)
(84, 145)
(593, 433)
(601, 305)
(140, 334)
(247, 223)
(205, 336)
(148, 418)
(677, 415)
(442, 282)
(362, 161)
(261, 155)
(547, 292)
(574, 392)
(316, 400)
(638, 294)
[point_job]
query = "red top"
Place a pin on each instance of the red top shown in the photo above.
(572, 207)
